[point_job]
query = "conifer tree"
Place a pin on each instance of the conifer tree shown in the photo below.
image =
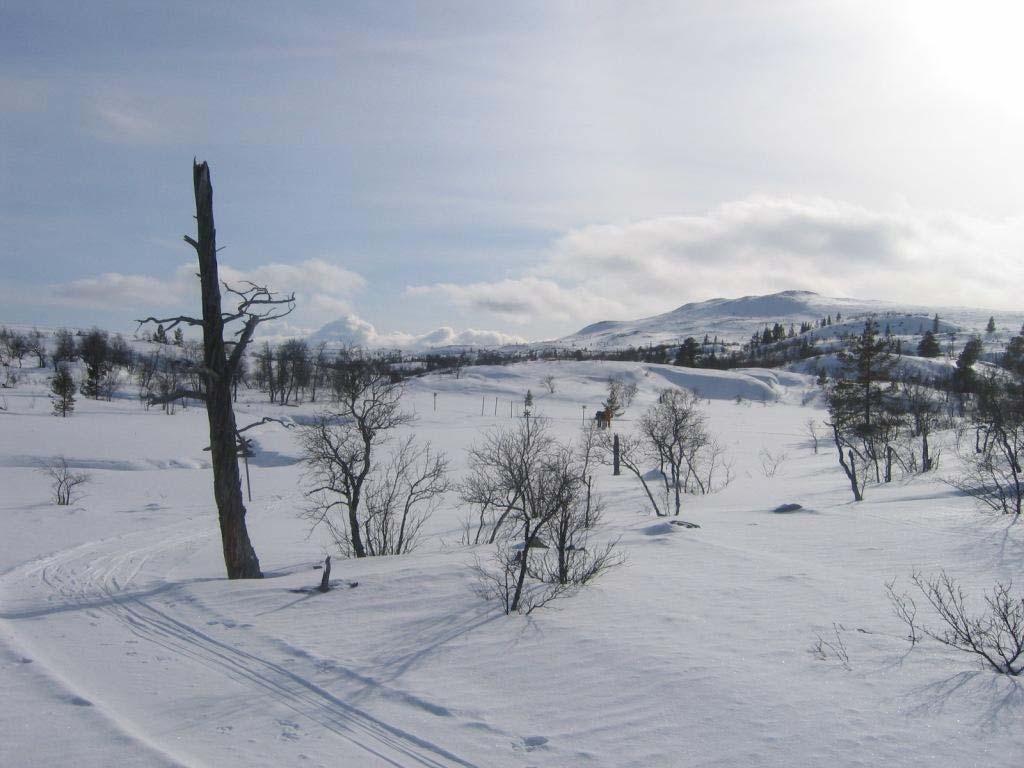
(929, 345)
(63, 388)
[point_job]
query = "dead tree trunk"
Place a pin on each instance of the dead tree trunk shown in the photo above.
(325, 582)
(254, 304)
(239, 556)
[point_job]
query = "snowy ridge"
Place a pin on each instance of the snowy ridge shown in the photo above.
(735, 320)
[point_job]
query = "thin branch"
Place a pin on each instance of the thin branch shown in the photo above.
(171, 322)
(180, 394)
(265, 420)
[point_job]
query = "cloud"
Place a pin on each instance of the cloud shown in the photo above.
(522, 300)
(113, 289)
(322, 290)
(353, 330)
(756, 246)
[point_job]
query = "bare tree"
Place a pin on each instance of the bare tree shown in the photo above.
(550, 382)
(770, 462)
(812, 431)
(37, 346)
(401, 496)
(64, 482)
(253, 305)
(501, 467)
(633, 456)
(996, 634)
(368, 512)
(589, 451)
(674, 434)
(545, 554)
(993, 469)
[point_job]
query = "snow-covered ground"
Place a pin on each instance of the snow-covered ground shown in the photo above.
(123, 644)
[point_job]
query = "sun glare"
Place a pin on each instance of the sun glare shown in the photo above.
(972, 49)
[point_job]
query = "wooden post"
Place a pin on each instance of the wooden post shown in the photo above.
(435, 402)
(483, 401)
(615, 455)
(495, 405)
(583, 409)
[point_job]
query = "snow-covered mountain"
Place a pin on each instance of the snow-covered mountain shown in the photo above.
(730, 320)
(735, 320)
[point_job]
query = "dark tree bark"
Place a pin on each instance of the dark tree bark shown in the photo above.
(221, 360)
(239, 556)
(325, 582)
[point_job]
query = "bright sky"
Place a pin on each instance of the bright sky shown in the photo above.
(523, 168)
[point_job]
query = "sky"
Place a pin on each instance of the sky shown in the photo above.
(482, 172)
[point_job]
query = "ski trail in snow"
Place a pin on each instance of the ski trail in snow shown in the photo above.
(95, 577)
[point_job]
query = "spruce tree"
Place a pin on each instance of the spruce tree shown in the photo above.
(991, 327)
(929, 346)
(63, 387)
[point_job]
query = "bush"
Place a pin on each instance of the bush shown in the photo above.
(65, 484)
(996, 635)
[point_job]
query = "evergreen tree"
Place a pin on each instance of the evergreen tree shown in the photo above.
(991, 327)
(863, 421)
(964, 378)
(935, 323)
(179, 337)
(929, 346)
(688, 353)
(63, 387)
(871, 361)
(1013, 360)
(160, 335)
(95, 353)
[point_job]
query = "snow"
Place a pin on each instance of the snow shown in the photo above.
(121, 643)
(736, 320)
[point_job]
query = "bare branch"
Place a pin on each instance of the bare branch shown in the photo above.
(179, 394)
(171, 322)
(266, 420)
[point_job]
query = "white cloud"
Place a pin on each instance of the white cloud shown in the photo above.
(756, 246)
(523, 300)
(353, 330)
(322, 290)
(113, 289)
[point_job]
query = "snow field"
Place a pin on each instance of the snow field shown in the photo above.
(696, 653)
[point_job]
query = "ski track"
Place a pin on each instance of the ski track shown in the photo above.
(91, 579)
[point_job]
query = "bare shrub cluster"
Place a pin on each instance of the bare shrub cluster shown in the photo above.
(995, 634)
(673, 435)
(370, 506)
(531, 496)
(65, 483)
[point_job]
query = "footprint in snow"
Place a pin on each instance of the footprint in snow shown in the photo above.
(289, 730)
